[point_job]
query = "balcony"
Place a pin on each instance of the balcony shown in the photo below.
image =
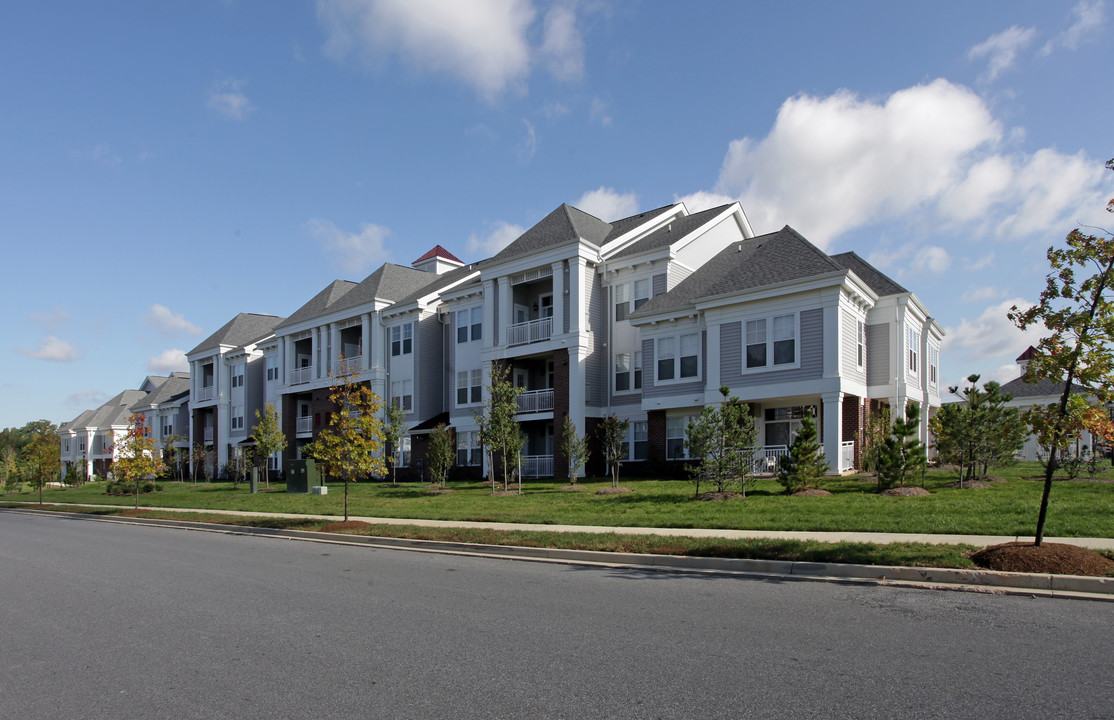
(208, 392)
(537, 466)
(533, 401)
(301, 375)
(303, 426)
(349, 365)
(529, 332)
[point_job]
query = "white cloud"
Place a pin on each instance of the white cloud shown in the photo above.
(350, 252)
(931, 258)
(481, 42)
(703, 200)
(1089, 17)
(502, 235)
(1051, 192)
(51, 348)
(87, 398)
(1001, 49)
(608, 205)
(991, 334)
(554, 110)
(168, 323)
(168, 361)
(51, 319)
(529, 144)
(227, 98)
(977, 294)
(563, 49)
(599, 112)
(980, 264)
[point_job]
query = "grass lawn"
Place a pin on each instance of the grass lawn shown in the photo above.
(1078, 508)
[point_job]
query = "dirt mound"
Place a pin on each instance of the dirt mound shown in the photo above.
(1055, 558)
(613, 491)
(438, 491)
(500, 493)
(715, 495)
(905, 491)
(572, 488)
(811, 492)
(346, 526)
(969, 485)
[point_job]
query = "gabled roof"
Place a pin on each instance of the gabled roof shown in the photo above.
(877, 281)
(77, 422)
(440, 252)
(671, 233)
(438, 282)
(320, 303)
(244, 329)
(1041, 388)
(114, 412)
(625, 225)
(390, 282)
(1029, 354)
(745, 265)
(173, 388)
(564, 225)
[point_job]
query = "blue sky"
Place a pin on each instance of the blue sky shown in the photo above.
(168, 165)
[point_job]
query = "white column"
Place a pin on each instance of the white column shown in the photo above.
(489, 330)
(576, 386)
(833, 429)
(314, 345)
(712, 382)
(506, 309)
(558, 297)
(365, 341)
(334, 345)
(833, 341)
(577, 278)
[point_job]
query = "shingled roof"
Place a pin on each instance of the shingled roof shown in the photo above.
(244, 329)
(670, 234)
(390, 282)
(564, 225)
(440, 252)
(1019, 388)
(746, 265)
(877, 281)
(173, 388)
(438, 282)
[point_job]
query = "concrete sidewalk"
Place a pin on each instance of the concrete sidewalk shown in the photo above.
(829, 537)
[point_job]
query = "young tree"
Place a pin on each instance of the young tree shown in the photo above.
(440, 454)
(804, 464)
(137, 455)
(613, 433)
(172, 454)
(351, 444)
(978, 432)
(498, 422)
(723, 439)
(394, 427)
(269, 438)
(902, 453)
(1079, 315)
(874, 438)
(573, 447)
(42, 455)
(199, 459)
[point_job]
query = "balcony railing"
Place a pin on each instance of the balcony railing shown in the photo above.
(207, 392)
(847, 456)
(349, 365)
(537, 465)
(529, 332)
(208, 434)
(766, 459)
(533, 401)
(301, 375)
(303, 425)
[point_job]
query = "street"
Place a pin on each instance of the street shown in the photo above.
(106, 620)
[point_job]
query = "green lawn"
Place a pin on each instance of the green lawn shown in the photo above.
(1080, 508)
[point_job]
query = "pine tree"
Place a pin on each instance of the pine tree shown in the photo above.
(902, 453)
(805, 464)
(573, 447)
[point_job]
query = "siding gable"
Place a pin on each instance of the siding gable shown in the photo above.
(877, 354)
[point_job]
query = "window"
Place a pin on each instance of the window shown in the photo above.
(783, 424)
(861, 347)
(914, 341)
(66, 445)
(667, 354)
(638, 370)
(402, 339)
(402, 394)
(272, 369)
(774, 338)
(546, 306)
(933, 365)
(690, 355)
(468, 450)
(273, 461)
(622, 302)
(402, 455)
(81, 445)
(670, 365)
(469, 387)
(622, 372)
(237, 417)
(477, 323)
(238, 375)
(469, 322)
(641, 431)
(675, 430)
(168, 429)
(641, 292)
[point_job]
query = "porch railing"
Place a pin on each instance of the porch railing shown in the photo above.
(349, 365)
(531, 331)
(301, 375)
(207, 392)
(303, 425)
(766, 459)
(535, 401)
(537, 465)
(847, 455)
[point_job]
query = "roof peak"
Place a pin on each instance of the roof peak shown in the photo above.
(438, 251)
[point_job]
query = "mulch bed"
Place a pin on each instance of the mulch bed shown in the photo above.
(571, 488)
(613, 491)
(905, 491)
(1056, 558)
(438, 491)
(500, 493)
(716, 495)
(969, 485)
(811, 492)
(349, 525)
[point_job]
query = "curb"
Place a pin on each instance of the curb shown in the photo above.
(986, 581)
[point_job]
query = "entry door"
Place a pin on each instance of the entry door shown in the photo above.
(521, 378)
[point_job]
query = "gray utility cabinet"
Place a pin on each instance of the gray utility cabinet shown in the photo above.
(302, 475)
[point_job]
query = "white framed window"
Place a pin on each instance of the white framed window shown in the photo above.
(771, 342)
(678, 358)
(622, 301)
(676, 430)
(168, 429)
(640, 430)
(933, 365)
(469, 387)
(237, 417)
(238, 375)
(469, 325)
(860, 344)
(667, 359)
(783, 424)
(622, 372)
(641, 292)
(402, 455)
(402, 394)
(913, 340)
(477, 323)
(402, 339)
(468, 450)
(637, 369)
(273, 461)
(66, 445)
(81, 445)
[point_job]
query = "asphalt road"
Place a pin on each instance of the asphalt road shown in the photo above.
(102, 620)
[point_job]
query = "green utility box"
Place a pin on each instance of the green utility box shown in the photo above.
(302, 475)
